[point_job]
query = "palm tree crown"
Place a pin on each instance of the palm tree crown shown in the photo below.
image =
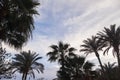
(60, 52)
(16, 21)
(93, 45)
(76, 67)
(112, 37)
(111, 71)
(26, 62)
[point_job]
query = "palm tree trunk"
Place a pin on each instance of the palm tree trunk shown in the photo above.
(118, 57)
(23, 76)
(97, 55)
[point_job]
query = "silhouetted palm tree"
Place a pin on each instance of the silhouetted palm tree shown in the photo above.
(26, 62)
(93, 45)
(88, 70)
(112, 37)
(111, 71)
(59, 53)
(16, 21)
(77, 67)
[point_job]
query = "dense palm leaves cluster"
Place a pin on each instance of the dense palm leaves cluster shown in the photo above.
(26, 62)
(16, 21)
(112, 38)
(93, 45)
(60, 52)
(16, 26)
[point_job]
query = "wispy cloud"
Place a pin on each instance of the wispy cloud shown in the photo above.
(71, 21)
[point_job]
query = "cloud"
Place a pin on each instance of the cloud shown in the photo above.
(70, 21)
(99, 14)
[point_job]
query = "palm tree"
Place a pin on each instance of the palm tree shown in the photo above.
(16, 21)
(112, 37)
(87, 67)
(59, 53)
(93, 45)
(26, 62)
(77, 67)
(111, 72)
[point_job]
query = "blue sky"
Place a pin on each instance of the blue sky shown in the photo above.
(71, 21)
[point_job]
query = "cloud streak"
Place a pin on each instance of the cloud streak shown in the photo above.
(70, 21)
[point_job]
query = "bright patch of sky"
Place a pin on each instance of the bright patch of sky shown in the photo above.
(71, 21)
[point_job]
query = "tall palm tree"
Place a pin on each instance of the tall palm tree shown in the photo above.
(16, 21)
(59, 53)
(93, 45)
(112, 37)
(26, 63)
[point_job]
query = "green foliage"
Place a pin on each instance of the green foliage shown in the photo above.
(26, 62)
(5, 65)
(16, 21)
(76, 68)
(93, 45)
(60, 53)
(111, 71)
(112, 37)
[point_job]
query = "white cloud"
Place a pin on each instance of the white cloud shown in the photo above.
(39, 44)
(71, 21)
(98, 15)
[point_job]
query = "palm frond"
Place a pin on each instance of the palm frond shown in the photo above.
(54, 47)
(72, 49)
(26, 62)
(88, 65)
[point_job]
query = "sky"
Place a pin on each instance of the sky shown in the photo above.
(70, 21)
